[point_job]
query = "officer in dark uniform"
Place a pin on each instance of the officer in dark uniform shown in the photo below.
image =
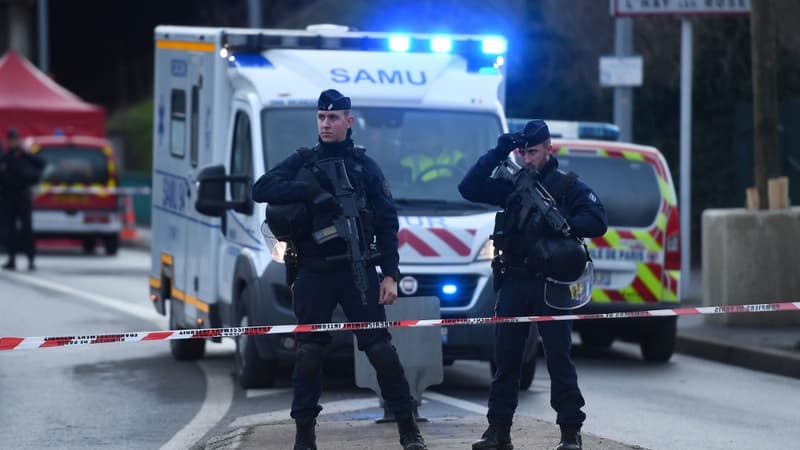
(521, 291)
(19, 170)
(321, 285)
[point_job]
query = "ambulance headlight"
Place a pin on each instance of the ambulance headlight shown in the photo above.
(493, 45)
(487, 251)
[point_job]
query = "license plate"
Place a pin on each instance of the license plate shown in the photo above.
(602, 278)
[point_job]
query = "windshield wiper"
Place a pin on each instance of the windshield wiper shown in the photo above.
(440, 203)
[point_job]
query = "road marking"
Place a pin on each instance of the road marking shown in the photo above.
(283, 415)
(219, 386)
(108, 302)
(219, 397)
(253, 393)
(456, 402)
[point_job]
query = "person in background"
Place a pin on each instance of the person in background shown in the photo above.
(19, 171)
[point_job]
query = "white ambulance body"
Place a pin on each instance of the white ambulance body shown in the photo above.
(231, 103)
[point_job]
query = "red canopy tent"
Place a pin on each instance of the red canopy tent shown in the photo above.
(35, 105)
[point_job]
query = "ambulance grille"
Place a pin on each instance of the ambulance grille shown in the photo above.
(433, 285)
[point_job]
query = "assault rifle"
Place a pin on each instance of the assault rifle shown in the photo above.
(536, 204)
(346, 224)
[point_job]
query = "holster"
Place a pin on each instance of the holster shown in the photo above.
(498, 272)
(291, 264)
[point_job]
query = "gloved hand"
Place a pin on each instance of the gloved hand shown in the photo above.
(505, 144)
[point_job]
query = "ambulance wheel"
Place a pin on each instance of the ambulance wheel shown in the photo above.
(111, 244)
(251, 370)
(659, 344)
(88, 246)
(183, 349)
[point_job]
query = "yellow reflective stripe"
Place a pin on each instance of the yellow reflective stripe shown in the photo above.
(650, 281)
(186, 46)
(647, 240)
(661, 221)
(612, 237)
(666, 192)
(562, 151)
(599, 296)
(669, 295)
(166, 258)
(186, 298)
(155, 283)
(635, 156)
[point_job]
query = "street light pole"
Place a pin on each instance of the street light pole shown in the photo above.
(42, 28)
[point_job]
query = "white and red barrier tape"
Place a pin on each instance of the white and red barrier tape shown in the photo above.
(24, 343)
(141, 190)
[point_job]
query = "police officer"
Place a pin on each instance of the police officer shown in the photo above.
(19, 170)
(320, 285)
(521, 292)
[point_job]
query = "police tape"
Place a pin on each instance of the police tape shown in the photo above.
(100, 190)
(27, 343)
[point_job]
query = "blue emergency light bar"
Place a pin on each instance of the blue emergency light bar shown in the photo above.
(484, 54)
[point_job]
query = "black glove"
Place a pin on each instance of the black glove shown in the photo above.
(505, 144)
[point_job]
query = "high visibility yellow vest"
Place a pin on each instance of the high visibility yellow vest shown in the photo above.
(426, 168)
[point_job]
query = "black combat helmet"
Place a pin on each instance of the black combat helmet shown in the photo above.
(559, 259)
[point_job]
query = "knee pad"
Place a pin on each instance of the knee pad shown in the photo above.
(308, 360)
(384, 359)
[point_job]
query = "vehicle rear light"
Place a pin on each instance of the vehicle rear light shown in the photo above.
(672, 244)
(96, 218)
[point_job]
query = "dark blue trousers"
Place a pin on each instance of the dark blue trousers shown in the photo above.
(522, 295)
(315, 296)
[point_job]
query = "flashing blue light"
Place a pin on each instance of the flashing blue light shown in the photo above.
(488, 70)
(399, 43)
(441, 44)
(494, 45)
(449, 289)
(602, 131)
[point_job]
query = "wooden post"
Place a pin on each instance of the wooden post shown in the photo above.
(752, 198)
(778, 192)
(765, 96)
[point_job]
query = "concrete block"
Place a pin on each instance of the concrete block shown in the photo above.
(751, 257)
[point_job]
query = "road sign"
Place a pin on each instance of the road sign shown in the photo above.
(620, 71)
(679, 7)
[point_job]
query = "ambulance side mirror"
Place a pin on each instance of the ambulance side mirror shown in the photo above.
(211, 192)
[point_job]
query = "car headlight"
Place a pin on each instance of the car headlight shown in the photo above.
(487, 251)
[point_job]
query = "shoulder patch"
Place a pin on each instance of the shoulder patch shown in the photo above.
(592, 197)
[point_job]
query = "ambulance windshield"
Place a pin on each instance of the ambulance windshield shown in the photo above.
(424, 154)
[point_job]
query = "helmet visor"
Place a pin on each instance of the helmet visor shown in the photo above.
(568, 295)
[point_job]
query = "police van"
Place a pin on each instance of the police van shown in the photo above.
(231, 103)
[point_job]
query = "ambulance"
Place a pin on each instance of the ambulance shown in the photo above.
(231, 103)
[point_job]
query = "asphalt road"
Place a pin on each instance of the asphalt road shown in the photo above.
(136, 396)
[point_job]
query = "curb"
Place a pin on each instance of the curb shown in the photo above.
(779, 362)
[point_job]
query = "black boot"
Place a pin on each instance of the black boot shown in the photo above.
(496, 437)
(10, 265)
(410, 437)
(306, 438)
(570, 439)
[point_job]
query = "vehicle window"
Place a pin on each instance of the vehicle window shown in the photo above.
(74, 165)
(628, 189)
(195, 121)
(424, 154)
(241, 156)
(177, 123)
